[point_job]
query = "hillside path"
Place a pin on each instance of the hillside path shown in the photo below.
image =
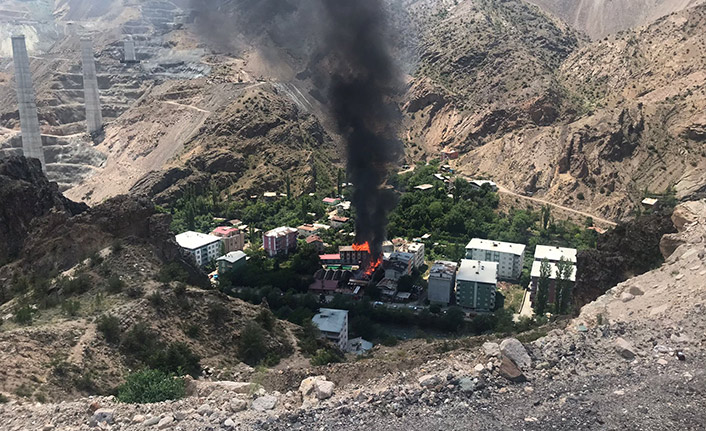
(507, 191)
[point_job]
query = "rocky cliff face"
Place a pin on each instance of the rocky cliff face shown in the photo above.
(45, 234)
(26, 195)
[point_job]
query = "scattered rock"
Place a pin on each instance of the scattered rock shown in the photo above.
(48, 427)
(204, 410)
(479, 368)
(662, 361)
(429, 380)
(635, 291)
(491, 349)
(138, 419)
(237, 405)
(324, 389)
(512, 349)
(152, 421)
(625, 348)
(165, 422)
(626, 297)
(104, 415)
(681, 356)
(265, 402)
(466, 385)
(228, 423)
(510, 371)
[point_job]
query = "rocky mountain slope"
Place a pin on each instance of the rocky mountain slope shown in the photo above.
(600, 18)
(595, 137)
(631, 359)
(72, 265)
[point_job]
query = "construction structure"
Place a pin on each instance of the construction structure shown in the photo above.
(94, 116)
(29, 119)
(129, 55)
(476, 285)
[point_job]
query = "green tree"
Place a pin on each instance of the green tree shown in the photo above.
(546, 216)
(542, 298)
(565, 269)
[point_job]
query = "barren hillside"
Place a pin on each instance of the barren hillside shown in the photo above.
(600, 18)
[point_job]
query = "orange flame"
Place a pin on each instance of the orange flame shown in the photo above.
(374, 262)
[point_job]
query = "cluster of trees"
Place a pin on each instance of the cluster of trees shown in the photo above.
(562, 288)
(454, 214)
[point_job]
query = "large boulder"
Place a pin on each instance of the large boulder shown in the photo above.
(315, 389)
(264, 403)
(512, 349)
(510, 371)
(625, 348)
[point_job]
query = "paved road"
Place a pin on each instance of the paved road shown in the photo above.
(507, 191)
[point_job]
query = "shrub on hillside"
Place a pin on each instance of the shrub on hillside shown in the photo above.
(70, 308)
(23, 315)
(109, 326)
(140, 342)
(217, 314)
(172, 272)
(177, 359)
(115, 284)
(266, 320)
(326, 356)
(151, 386)
(252, 347)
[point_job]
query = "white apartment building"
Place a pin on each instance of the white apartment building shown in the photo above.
(554, 254)
(509, 256)
(205, 248)
(333, 325)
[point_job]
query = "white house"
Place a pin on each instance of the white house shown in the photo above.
(417, 249)
(442, 278)
(509, 256)
(333, 325)
(554, 254)
(205, 248)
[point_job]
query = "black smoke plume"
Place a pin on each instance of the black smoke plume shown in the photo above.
(348, 54)
(364, 79)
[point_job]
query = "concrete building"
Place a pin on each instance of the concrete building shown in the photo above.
(333, 325)
(535, 274)
(231, 261)
(510, 257)
(233, 239)
(29, 119)
(317, 242)
(398, 265)
(339, 221)
(350, 256)
(478, 184)
(417, 249)
(554, 254)
(94, 116)
(476, 284)
(129, 55)
(442, 279)
(204, 248)
(282, 240)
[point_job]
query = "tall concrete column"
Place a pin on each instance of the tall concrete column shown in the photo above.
(29, 120)
(94, 116)
(129, 51)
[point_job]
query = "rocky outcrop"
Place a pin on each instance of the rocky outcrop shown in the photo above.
(25, 195)
(630, 249)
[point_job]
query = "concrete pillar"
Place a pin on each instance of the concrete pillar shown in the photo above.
(29, 120)
(129, 51)
(94, 116)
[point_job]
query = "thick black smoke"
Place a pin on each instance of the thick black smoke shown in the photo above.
(347, 45)
(364, 78)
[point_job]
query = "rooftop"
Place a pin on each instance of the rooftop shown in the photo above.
(537, 267)
(307, 227)
(443, 269)
(281, 231)
(330, 320)
(192, 240)
(477, 270)
(313, 238)
(424, 187)
(232, 257)
(649, 201)
(224, 231)
(330, 256)
(553, 253)
(340, 219)
(499, 246)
